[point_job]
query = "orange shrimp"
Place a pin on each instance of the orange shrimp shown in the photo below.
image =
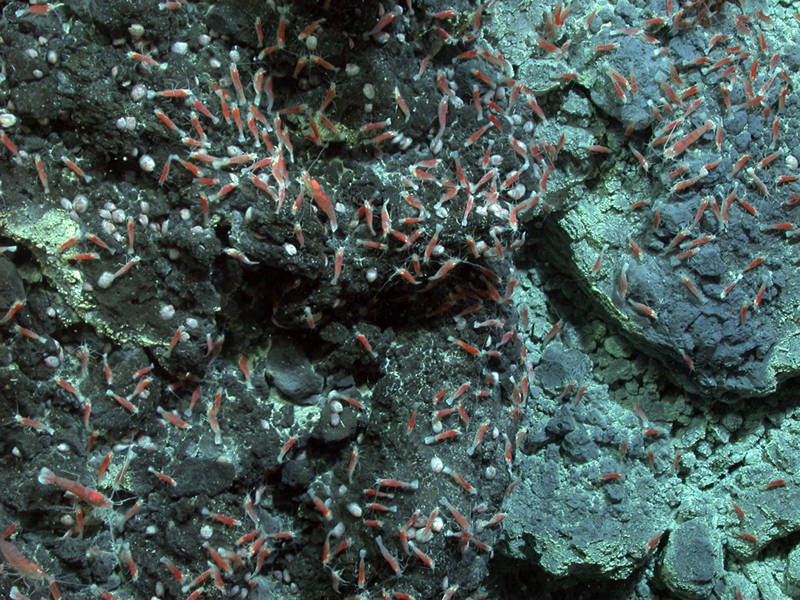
(24, 567)
(322, 201)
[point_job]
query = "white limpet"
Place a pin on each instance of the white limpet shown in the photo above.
(130, 123)
(136, 31)
(146, 163)
(338, 530)
(105, 280)
(80, 203)
(517, 192)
